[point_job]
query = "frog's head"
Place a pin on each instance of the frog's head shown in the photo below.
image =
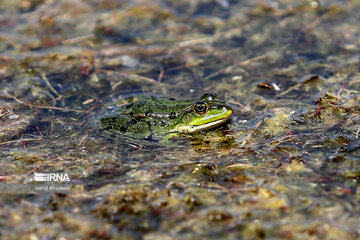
(205, 113)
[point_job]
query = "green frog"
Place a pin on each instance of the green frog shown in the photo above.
(149, 117)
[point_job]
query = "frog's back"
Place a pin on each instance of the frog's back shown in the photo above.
(143, 116)
(151, 104)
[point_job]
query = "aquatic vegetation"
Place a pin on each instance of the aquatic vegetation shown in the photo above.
(286, 166)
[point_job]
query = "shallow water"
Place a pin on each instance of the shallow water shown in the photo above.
(287, 166)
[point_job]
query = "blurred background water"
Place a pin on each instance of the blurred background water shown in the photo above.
(286, 167)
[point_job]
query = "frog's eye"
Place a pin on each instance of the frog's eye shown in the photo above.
(209, 97)
(200, 108)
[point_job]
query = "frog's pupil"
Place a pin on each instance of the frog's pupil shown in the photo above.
(201, 108)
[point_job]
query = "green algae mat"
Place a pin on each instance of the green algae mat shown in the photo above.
(111, 129)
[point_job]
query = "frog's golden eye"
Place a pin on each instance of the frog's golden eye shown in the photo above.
(200, 108)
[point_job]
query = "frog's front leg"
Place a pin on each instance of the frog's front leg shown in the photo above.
(172, 137)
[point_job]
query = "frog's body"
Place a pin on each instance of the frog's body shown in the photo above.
(156, 117)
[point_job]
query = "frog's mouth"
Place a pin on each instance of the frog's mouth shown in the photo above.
(198, 128)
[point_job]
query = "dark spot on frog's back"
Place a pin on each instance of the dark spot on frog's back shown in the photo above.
(172, 115)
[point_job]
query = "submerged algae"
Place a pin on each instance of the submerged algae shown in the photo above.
(287, 167)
